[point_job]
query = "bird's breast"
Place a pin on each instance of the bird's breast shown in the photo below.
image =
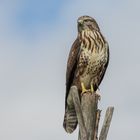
(91, 63)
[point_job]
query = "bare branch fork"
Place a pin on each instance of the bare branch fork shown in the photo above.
(88, 116)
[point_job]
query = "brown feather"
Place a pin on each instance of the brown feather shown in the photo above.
(71, 66)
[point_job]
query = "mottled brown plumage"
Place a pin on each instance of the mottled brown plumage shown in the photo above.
(87, 63)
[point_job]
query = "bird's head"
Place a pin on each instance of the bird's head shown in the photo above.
(87, 22)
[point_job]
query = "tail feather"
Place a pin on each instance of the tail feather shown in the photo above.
(70, 120)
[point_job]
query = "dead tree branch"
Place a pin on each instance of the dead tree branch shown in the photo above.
(106, 123)
(88, 115)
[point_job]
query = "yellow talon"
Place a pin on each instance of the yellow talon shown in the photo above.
(83, 88)
(92, 89)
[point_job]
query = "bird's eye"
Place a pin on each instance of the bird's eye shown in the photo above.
(86, 20)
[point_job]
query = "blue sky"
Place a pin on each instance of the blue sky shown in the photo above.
(35, 13)
(27, 18)
(35, 38)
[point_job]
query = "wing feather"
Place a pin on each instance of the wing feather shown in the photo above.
(106, 65)
(71, 66)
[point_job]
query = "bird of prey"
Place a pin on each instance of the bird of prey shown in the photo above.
(86, 66)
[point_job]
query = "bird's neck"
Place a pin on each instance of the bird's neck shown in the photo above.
(87, 39)
(91, 40)
(85, 33)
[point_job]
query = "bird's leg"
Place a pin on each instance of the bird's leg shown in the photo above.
(91, 88)
(84, 90)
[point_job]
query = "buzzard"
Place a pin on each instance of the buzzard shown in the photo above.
(86, 66)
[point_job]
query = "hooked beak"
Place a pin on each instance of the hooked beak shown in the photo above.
(80, 22)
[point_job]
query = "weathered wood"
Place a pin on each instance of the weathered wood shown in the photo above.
(86, 111)
(77, 104)
(98, 114)
(89, 105)
(106, 123)
(88, 115)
